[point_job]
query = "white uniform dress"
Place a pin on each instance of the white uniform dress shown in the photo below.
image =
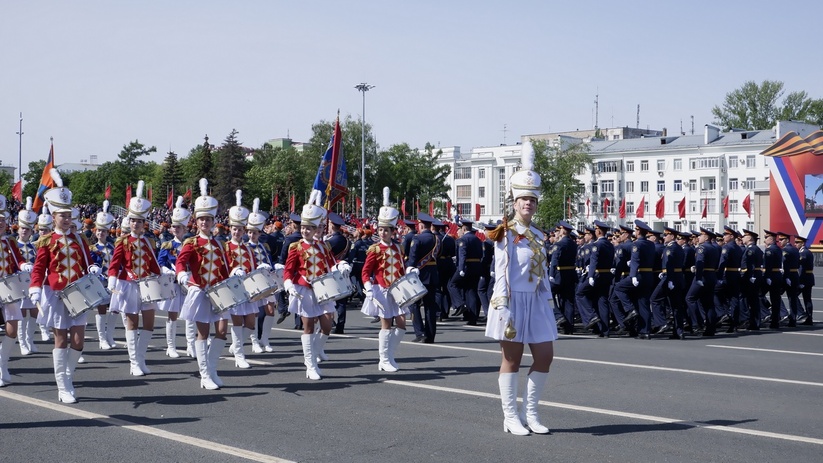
(521, 289)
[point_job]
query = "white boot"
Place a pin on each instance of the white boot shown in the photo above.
(191, 337)
(44, 333)
(22, 335)
(215, 349)
(131, 345)
(171, 336)
(320, 346)
(203, 365)
(255, 342)
(508, 396)
(237, 347)
(71, 365)
(394, 341)
(308, 357)
(5, 353)
(268, 322)
(528, 415)
(31, 325)
(383, 351)
(143, 340)
(111, 325)
(100, 322)
(60, 357)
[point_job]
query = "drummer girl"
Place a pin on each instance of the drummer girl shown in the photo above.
(384, 266)
(10, 263)
(200, 265)
(101, 253)
(26, 222)
(132, 260)
(167, 258)
(309, 259)
(50, 275)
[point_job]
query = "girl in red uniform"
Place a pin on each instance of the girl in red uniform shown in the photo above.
(241, 261)
(11, 261)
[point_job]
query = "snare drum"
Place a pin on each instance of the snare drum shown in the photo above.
(84, 294)
(261, 284)
(407, 290)
(227, 294)
(14, 287)
(331, 287)
(157, 288)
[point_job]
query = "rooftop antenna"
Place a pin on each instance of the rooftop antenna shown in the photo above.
(692, 116)
(596, 108)
(505, 129)
(637, 124)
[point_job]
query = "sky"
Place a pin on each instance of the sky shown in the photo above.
(96, 75)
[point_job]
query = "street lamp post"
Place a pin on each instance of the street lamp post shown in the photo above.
(20, 154)
(363, 87)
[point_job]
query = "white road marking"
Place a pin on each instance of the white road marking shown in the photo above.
(636, 416)
(188, 440)
(765, 350)
(803, 334)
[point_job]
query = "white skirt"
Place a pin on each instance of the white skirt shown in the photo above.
(306, 306)
(197, 308)
(382, 305)
(128, 298)
(53, 313)
(173, 304)
(533, 318)
(246, 308)
(12, 311)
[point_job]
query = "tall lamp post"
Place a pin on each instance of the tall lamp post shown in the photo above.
(20, 154)
(363, 87)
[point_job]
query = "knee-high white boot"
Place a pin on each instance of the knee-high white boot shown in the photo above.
(215, 349)
(255, 341)
(171, 336)
(100, 322)
(203, 365)
(268, 323)
(383, 351)
(5, 353)
(394, 341)
(131, 345)
(44, 333)
(111, 325)
(191, 336)
(237, 347)
(534, 388)
(143, 340)
(73, 358)
(22, 335)
(320, 346)
(508, 396)
(60, 357)
(31, 325)
(308, 356)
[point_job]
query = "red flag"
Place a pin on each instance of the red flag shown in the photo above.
(588, 207)
(476, 212)
(640, 212)
(569, 206)
(606, 203)
(187, 195)
(170, 199)
(276, 201)
(149, 196)
(747, 205)
(726, 207)
(681, 208)
(128, 194)
(403, 207)
(291, 203)
(417, 205)
(107, 194)
(17, 191)
(359, 203)
(660, 207)
(449, 210)
(705, 209)
(622, 210)
(431, 208)
(46, 182)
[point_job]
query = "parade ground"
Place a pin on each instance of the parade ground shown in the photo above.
(748, 396)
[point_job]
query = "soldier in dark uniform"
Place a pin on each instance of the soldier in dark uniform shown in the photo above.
(445, 268)
(424, 249)
(588, 314)
(485, 286)
(597, 278)
(661, 316)
(727, 291)
(405, 243)
(357, 257)
(293, 237)
(700, 297)
(463, 284)
(772, 278)
(340, 247)
(684, 239)
(274, 239)
(562, 274)
(806, 280)
(620, 267)
(670, 287)
(635, 291)
(791, 275)
(751, 269)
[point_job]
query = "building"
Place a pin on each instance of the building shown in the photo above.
(82, 166)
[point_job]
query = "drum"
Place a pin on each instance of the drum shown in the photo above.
(84, 294)
(157, 288)
(14, 287)
(331, 287)
(261, 284)
(407, 290)
(227, 294)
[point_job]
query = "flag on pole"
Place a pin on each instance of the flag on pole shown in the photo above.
(622, 210)
(640, 212)
(403, 207)
(46, 182)
(331, 177)
(726, 207)
(431, 208)
(705, 209)
(291, 203)
(681, 208)
(569, 206)
(107, 194)
(170, 199)
(128, 195)
(17, 191)
(187, 195)
(358, 202)
(606, 203)
(588, 207)
(747, 204)
(449, 210)
(476, 212)
(660, 207)
(149, 197)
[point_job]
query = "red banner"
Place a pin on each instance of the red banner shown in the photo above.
(681, 208)
(606, 204)
(431, 208)
(275, 202)
(640, 212)
(107, 194)
(17, 191)
(149, 197)
(726, 207)
(291, 203)
(187, 195)
(660, 207)
(359, 203)
(128, 195)
(403, 208)
(588, 207)
(747, 205)
(476, 212)
(622, 210)
(705, 209)
(449, 210)
(170, 199)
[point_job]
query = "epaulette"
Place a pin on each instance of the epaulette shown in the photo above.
(120, 239)
(43, 240)
(191, 240)
(373, 248)
(295, 245)
(498, 233)
(166, 245)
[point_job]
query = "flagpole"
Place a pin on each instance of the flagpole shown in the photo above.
(20, 155)
(363, 88)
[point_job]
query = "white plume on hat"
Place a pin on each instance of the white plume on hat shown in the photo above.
(388, 215)
(525, 182)
(256, 219)
(205, 205)
(58, 181)
(58, 197)
(180, 215)
(139, 207)
(45, 220)
(204, 187)
(104, 219)
(27, 218)
(238, 215)
(313, 213)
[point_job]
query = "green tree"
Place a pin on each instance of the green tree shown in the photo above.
(129, 168)
(172, 175)
(198, 164)
(6, 182)
(558, 167)
(32, 178)
(281, 172)
(230, 170)
(757, 107)
(410, 174)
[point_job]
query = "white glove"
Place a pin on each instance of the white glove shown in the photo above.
(183, 278)
(26, 267)
(279, 266)
(591, 281)
(491, 274)
(551, 279)
(699, 282)
(412, 270)
(237, 271)
(752, 280)
(93, 269)
(612, 270)
(367, 289)
(694, 269)
(166, 271)
(661, 275)
(788, 282)
(34, 294)
(635, 281)
(462, 273)
(721, 282)
(768, 281)
(112, 282)
(264, 266)
(343, 267)
(802, 286)
(781, 271)
(670, 285)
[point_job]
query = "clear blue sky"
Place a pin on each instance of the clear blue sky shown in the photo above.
(98, 74)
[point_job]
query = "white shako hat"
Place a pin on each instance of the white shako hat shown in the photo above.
(388, 215)
(525, 182)
(59, 197)
(45, 219)
(2, 204)
(313, 213)
(180, 215)
(104, 219)
(138, 205)
(27, 218)
(256, 219)
(238, 215)
(205, 205)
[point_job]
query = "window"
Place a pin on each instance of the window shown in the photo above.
(644, 186)
(629, 166)
(481, 173)
(464, 209)
(712, 205)
(594, 189)
(678, 164)
(675, 205)
(607, 166)
(732, 206)
(581, 208)
(464, 191)
(481, 192)
(732, 162)
(749, 225)
(733, 225)
(462, 173)
(678, 185)
(704, 163)
(751, 161)
(629, 207)
(646, 206)
(693, 185)
(708, 184)
(644, 166)
(607, 187)
(501, 188)
(482, 210)
(692, 206)
(661, 186)
(749, 184)
(629, 187)
(661, 165)
(732, 184)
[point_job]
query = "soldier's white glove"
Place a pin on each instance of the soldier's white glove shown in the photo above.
(661, 276)
(288, 285)
(699, 282)
(279, 266)
(635, 281)
(412, 270)
(768, 281)
(491, 274)
(343, 267)
(238, 271)
(781, 271)
(264, 266)
(752, 280)
(721, 282)
(788, 282)
(26, 267)
(183, 278)
(693, 269)
(112, 282)
(93, 269)
(166, 271)
(367, 289)
(462, 273)
(670, 285)
(591, 281)
(551, 279)
(612, 270)
(34, 294)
